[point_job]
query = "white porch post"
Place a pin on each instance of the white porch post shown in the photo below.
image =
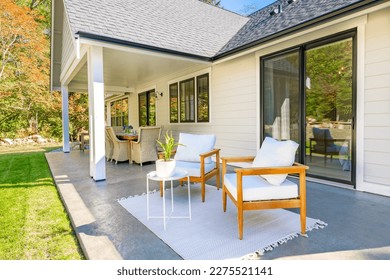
(65, 119)
(96, 114)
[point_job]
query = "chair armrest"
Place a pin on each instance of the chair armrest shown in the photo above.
(238, 159)
(210, 153)
(297, 168)
(206, 155)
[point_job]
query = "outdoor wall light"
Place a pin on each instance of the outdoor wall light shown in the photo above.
(159, 94)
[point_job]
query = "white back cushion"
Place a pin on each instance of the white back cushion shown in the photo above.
(275, 153)
(193, 146)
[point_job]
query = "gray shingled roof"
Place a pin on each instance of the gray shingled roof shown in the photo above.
(185, 26)
(263, 25)
(190, 26)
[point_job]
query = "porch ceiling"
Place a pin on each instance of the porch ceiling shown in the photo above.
(131, 70)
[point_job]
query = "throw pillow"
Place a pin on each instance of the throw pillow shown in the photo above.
(193, 146)
(275, 153)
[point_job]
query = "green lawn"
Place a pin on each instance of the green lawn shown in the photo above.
(33, 222)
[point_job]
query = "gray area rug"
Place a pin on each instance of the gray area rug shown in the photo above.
(212, 234)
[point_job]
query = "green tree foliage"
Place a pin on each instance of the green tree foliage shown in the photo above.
(329, 69)
(212, 2)
(24, 70)
(26, 104)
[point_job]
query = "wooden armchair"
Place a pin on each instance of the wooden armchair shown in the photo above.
(195, 156)
(249, 190)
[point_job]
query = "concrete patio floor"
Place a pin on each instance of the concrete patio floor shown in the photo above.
(358, 223)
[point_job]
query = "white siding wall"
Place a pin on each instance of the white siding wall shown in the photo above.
(67, 43)
(232, 105)
(377, 99)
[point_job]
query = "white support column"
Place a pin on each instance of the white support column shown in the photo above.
(65, 119)
(96, 113)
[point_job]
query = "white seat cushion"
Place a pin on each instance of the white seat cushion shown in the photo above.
(257, 188)
(193, 168)
(193, 145)
(275, 153)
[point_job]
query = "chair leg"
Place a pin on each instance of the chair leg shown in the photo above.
(224, 196)
(240, 214)
(161, 189)
(303, 220)
(218, 181)
(203, 191)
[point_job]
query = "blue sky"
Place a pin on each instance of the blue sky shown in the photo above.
(240, 6)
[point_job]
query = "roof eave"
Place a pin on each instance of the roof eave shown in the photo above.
(106, 39)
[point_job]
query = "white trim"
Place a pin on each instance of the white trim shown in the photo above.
(130, 49)
(191, 75)
(65, 119)
(145, 89)
(360, 97)
(74, 67)
(96, 114)
(375, 188)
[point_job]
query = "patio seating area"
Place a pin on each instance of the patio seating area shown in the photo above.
(358, 225)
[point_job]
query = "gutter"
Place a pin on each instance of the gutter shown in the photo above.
(305, 25)
(86, 35)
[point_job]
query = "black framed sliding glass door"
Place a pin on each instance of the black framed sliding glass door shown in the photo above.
(281, 96)
(308, 95)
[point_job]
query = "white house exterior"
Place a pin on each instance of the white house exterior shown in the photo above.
(84, 60)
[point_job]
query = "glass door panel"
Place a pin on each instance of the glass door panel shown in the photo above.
(329, 110)
(281, 105)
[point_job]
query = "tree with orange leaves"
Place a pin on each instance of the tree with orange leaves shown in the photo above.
(24, 72)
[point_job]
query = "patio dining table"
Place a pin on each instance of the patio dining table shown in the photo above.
(129, 137)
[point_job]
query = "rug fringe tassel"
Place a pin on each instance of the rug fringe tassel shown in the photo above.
(257, 255)
(142, 194)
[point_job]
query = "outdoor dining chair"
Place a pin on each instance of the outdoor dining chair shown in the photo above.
(120, 147)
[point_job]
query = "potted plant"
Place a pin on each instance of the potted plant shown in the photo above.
(165, 166)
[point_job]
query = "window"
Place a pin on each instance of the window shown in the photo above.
(147, 108)
(120, 112)
(202, 98)
(189, 100)
(173, 103)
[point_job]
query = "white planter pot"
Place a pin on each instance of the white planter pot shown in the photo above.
(165, 169)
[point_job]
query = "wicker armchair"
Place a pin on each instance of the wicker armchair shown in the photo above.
(120, 147)
(109, 146)
(145, 149)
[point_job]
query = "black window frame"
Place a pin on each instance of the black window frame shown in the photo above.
(302, 48)
(124, 119)
(194, 103)
(150, 94)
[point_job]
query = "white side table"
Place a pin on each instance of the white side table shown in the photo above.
(179, 174)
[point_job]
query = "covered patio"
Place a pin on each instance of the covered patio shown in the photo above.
(358, 225)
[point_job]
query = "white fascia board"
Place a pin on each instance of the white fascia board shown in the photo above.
(130, 49)
(75, 65)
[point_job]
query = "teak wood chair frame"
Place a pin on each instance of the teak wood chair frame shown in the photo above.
(298, 202)
(203, 175)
